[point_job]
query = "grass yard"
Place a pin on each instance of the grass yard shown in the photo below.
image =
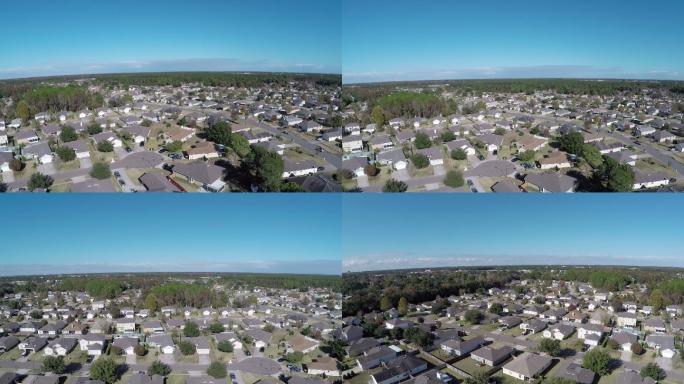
(12, 354)
(470, 366)
(652, 165)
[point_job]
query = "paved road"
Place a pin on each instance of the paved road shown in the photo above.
(662, 156)
(333, 160)
(145, 159)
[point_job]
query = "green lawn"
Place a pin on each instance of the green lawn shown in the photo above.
(470, 366)
(12, 354)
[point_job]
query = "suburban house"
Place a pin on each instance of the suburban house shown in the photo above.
(126, 344)
(203, 150)
(26, 136)
(392, 157)
(162, 341)
(551, 182)
(60, 347)
(81, 147)
(555, 160)
(624, 340)
(108, 136)
(576, 374)
(527, 366)
(559, 332)
(352, 143)
(625, 319)
(492, 356)
(461, 347)
(380, 142)
(208, 176)
(125, 326)
(40, 152)
(664, 344)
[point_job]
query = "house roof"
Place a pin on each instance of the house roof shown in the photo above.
(552, 182)
(200, 171)
(528, 364)
(156, 182)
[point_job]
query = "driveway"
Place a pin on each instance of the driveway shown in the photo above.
(362, 181)
(129, 185)
(7, 177)
(401, 174)
(120, 152)
(130, 359)
(47, 169)
(167, 358)
(204, 359)
(86, 163)
(438, 170)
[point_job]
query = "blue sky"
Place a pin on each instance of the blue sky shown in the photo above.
(443, 39)
(74, 233)
(47, 37)
(384, 231)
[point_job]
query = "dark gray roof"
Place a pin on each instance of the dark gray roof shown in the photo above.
(200, 171)
(156, 182)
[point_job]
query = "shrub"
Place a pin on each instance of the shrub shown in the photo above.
(54, 364)
(186, 348)
(420, 161)
(105, 146)
(66, 154)
(371, 170)
(100, 171)
(653, 371)
(191, 329)
(105, 369)
(394, 186)
(216, 328)
(140, 350)
(225, 346)
(38, 180)
(454, 179)
(217, 370)
(459, 154)
(422, 141)
(550, 346)
(158, 368)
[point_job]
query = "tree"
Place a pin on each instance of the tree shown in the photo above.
(454, 179)
(186, 348)
(496, 308)
(68, 134)
(294, 357)
(105, 146)
(216, 327)
(158, 368)
(291, 186)
(616, 177)
(225, 346)
(66, 154)
(335, 349)
(597, 360)
(191, 329)
(174, 146)
(240, 145)
(94, 128)
(657, 300)
(371, 170)
(385, 303)
(152, 303)
(217, 370)
(378, 116)
(23, 111)
(478, 377)
(473, 316)
(393, 185)
(527, 156)
(140, 350)
(422, 141)
(54, 364)
(550, 346)
(653, 371)
(267, 167)
(16, 165)
(105, 369)
(637, 349)
(420, 160)
(500, 131)
(447, 136)
(219, 133)
(402, 307)
(38, 181)
(572, 142)
(592, 155)
(458, 154)
(100, 171)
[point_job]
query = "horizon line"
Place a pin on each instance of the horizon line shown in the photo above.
(381, 82)
(79, 75)
(168, 273)
(512, 266)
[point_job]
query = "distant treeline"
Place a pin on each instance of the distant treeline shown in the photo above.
(216, 79)
(365, 92)
(366, 289)
(301, 282)
(183, 294)
(55, 99)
